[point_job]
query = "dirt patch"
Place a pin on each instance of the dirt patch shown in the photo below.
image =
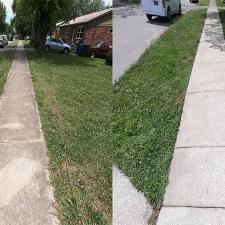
(154, 217)
(69, 167)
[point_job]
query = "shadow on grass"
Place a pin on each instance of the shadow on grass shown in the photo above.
(59, 60)
(222, 19)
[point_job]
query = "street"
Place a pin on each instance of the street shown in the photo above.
(133, 33)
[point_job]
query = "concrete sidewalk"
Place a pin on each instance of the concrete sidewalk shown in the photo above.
(25, 193)
(196, 194)
(130, 206)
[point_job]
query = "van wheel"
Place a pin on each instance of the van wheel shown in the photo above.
(179, 12)
(168, 15)
(149, 17)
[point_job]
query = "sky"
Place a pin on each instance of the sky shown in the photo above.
(8, 4)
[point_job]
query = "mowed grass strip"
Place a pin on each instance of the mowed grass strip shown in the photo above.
(203, 2)
(6, 58)
(148, 103)
(74, 95)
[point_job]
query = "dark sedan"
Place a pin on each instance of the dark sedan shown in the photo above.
(101, 50)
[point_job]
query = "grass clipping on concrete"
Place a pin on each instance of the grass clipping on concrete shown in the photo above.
(148, 103)
(74, 96)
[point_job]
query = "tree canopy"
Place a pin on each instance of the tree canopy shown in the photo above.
(83, 7)
(22, 21)
(38, 17)
(2, 17)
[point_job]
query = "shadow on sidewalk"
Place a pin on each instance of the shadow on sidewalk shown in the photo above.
(214, 32)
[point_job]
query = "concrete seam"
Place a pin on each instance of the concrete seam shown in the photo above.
(185, 147)
(194, 207)
(201, 92)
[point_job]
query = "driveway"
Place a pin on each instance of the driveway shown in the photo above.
(133, 33)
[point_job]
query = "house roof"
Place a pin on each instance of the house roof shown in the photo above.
(60, 23)
(87, 18)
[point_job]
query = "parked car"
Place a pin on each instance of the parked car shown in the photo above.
(10, 37)
(56, 44)
(109, 57)
(2, 45)
(5, 39)
(100, 50)
(164, 8)
(27, 38)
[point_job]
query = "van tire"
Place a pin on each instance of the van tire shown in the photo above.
(149, 16)
(168, 15)
(179, 12)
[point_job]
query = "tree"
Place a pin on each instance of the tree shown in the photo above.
(22, 21)
(9, 28)
(2, 17)
(40, 16)
(43, 15)
(83, 7)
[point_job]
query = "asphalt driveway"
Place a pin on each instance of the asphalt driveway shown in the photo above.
(133, 33)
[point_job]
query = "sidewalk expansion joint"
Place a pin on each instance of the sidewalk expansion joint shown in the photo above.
(201, 92)
(206, 146)
(208, 63)
(194, 207)
(27, 141)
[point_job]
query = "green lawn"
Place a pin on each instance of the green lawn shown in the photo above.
(74, 95)
(220, 3)
(27, 44)
(148, 103)
(6, 59)
(203, 2)
(12, 44)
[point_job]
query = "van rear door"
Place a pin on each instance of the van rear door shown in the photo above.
(154, 7)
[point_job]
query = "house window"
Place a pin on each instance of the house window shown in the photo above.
(80, 32)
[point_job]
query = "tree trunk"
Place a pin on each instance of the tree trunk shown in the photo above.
(40, 37)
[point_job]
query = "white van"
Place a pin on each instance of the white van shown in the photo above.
(164, 8)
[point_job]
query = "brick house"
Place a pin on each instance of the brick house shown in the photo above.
(89, 29)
